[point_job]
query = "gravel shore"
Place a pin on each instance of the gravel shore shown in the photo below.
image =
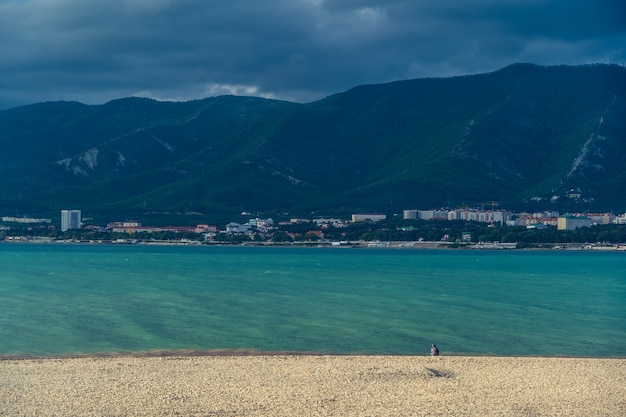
(309, 385)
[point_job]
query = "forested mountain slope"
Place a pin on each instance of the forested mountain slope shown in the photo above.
(520, 134)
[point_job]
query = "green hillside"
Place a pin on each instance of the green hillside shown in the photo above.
(515, 136)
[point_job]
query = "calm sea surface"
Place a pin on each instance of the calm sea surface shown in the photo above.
(82, 299)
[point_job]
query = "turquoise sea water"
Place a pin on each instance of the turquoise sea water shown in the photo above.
(84, 299)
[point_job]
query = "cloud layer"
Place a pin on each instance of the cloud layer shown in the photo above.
(299, 50)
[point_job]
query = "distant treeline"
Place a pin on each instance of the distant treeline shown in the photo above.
(391, 230)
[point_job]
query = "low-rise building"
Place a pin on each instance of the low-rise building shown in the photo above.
(325, 223)
(433, 215)
(236, 228)
(468, 215)
(205, 228)
(263, 225)
(602, 218)
(362, 217)
(25, 220)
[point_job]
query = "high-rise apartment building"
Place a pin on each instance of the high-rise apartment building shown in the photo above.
(70, 219)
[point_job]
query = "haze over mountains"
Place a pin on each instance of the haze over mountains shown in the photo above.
(520, 136)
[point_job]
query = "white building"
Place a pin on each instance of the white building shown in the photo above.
(235, 228)
(432, 214)
(261, 224)
(602, 218)
(330, 222)
(25, 220)
(370, 217)
(469, 215)
(70, 219)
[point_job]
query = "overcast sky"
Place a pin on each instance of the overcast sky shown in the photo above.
(94, 51)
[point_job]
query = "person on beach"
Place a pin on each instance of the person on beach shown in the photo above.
(434, 350)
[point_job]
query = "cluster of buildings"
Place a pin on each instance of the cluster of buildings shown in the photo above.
(537, 220)
(131, 227)
(482, 216)
(267, 225)
(72, 219)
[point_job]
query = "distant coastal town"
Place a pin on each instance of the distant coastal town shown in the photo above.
(477, 228)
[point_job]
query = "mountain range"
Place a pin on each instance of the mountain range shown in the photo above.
(523, 137)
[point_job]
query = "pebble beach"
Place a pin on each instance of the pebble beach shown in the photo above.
(311, 385)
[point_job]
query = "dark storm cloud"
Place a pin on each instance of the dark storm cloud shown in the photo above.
(94, 51)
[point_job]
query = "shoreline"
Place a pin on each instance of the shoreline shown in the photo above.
(391, 245)
(313, 385)
(193, 353)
